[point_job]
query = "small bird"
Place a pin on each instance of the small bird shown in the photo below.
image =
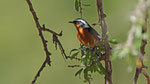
(86, 34)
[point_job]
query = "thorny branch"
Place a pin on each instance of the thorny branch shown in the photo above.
(44, 41)
(108, 66)
(47, 60)
(55, 39)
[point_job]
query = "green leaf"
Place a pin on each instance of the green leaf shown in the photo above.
(85, 74)
(73, 50)
(113, 41)
(102, 69)
(75, 55)
(100, 45)
(100, 72)
(102, 24)
(95, 68)
(84, 60)
(78, 72)
(91, 68)
(77, 5)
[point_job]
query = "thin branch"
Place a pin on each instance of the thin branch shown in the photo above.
(47, 60)
(136, 76)
(80, 7)
(108, 66)
(144, 30)
(146, 76)
(142, 12)
(40, 32)
(103, 57)
(68, 57)
(89, 80)
(57, 42)
(38, 73)
(73, 66)
(48, 30)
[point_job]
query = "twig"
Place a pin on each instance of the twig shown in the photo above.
(136, 76)
(57, 42)
(89, 80)
(48, 30)
(141, 9)
(47, 60)
(38, 73)
(80, 6)
(78, 66)
(68, 57)
(146, 76)
(106, 45)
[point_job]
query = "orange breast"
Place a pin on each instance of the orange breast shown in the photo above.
(86, 38)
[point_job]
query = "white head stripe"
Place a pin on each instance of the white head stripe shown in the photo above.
(82, 21)
(85, 24)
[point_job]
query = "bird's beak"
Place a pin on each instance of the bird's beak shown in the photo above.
(71, 22)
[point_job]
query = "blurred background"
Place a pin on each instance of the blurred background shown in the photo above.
(21, 50)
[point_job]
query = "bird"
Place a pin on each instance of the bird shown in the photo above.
(87, 35)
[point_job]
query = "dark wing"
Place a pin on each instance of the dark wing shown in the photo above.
(95, 34)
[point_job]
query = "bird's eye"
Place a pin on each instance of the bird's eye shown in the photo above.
(77, 22)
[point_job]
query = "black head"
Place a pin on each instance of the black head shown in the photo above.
(81, 22)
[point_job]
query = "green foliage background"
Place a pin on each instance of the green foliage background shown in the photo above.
(21, 50)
